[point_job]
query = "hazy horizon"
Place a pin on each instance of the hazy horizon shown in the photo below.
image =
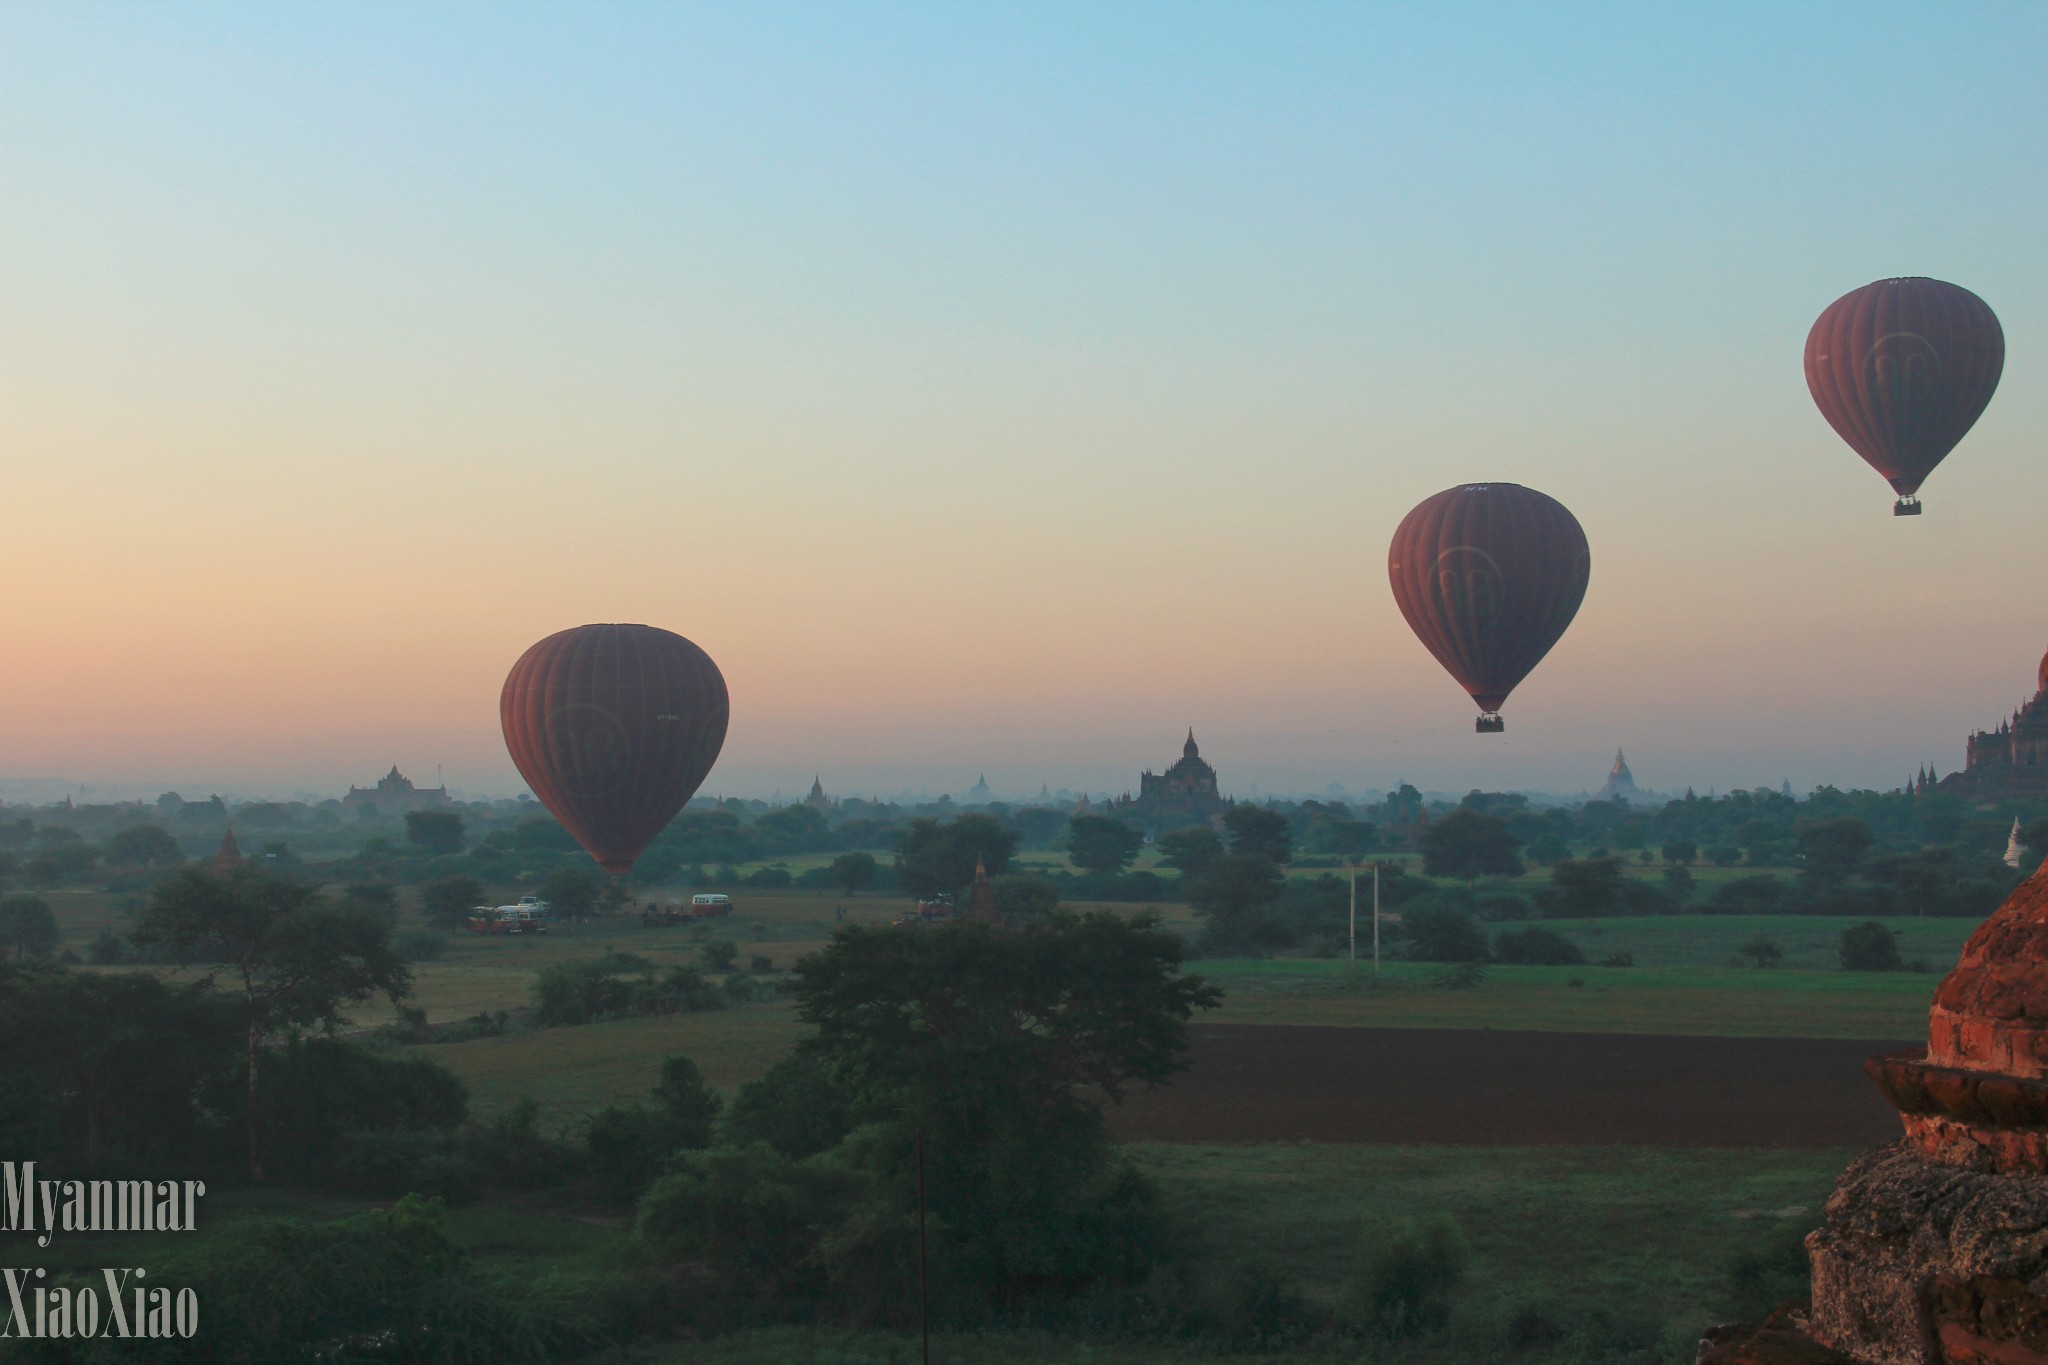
(998, 390)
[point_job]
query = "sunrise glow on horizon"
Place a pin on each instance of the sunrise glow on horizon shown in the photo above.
(998, 391)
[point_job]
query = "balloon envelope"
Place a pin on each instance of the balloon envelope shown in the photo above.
(614, 727)
(1489, 575)
(1902, 369)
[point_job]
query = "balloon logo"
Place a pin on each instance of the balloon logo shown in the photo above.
(1469, 579)
(614, 727)
(1488, 576)
(590, 749)
(1902, 369)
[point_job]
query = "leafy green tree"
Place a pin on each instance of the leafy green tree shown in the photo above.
(1191, 850)
(1235, 897)
(852, 871)
(1468, 845)
(931, 857)
(439, 832)
(1832, 847)
(1097, 843)
(1724, 855)
(60, 862)
(379, 896)
(295, 958)
(1348, 839)
(720, 954)
(1547, 848)
(1586, 886)
(1760, 951)
(27, 926)
(1254, 829)
(1870, 947)
(1024, 897)
(1441, 933)
(1680, 852)
(1678, 881)
(792, 829)
(988, 1043)
(112, 1063)
(571, 892)
(143, 846)
(447, 901)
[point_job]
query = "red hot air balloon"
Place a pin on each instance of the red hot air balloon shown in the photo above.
(614, 727)
(1902, 369)
(1489, 575)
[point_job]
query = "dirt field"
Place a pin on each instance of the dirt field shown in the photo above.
(1281, 1083)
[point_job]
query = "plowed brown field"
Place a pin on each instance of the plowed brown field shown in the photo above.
(1283, 1083)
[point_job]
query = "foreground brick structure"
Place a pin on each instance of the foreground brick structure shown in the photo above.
(1935, 1249)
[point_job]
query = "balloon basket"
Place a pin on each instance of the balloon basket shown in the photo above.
(1490, 723)
(1906, 507)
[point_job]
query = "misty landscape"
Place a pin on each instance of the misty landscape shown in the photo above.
(712, 684)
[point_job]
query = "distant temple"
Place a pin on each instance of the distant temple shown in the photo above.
(394, 792)
(1183, 795)
(1621, 783)
(817, 800)
(2010, 761)
(978, 794)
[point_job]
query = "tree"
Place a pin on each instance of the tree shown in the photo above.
(995, 1044)
(1191, 850)
(1870, 947)
(439, 832)
(852, 871)
(1023, 897)
(1832, 847)
(1761, 951)
(1724, 855)
(571, 892)
(1348, 839)
(792, 829)
(1678, 881)
(448, 900)
(1440, 933)
(1680, 852)
(1468, 845)
(1097, 843)
(143, 846)
(28, 926)
(1586, 886)
(1235, 896)
(295, 958)
(931, 857)
(1256, 830)
(685, 1096)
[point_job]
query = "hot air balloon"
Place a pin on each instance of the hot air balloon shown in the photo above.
(1489, 575)
(1902, 369)
(614, 727)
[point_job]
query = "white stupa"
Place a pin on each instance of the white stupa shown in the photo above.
(2014, 849)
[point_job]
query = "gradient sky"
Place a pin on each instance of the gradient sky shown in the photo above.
(996, 388)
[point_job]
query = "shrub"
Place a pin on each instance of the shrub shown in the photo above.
(384, 1165)
(1870, 947)
(1767, 1274)
(1439, 933)
(1403, 1285)
(752, 1217)
(107, 949)
(799, 1108)
(720, 954)
(1760, 951)
(389, 1282)
(510, 1150)
(1758, 895)
(768, 877)
(1537, 947)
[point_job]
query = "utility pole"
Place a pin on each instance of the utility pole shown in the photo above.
(924, 1321)
(1353, 869)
